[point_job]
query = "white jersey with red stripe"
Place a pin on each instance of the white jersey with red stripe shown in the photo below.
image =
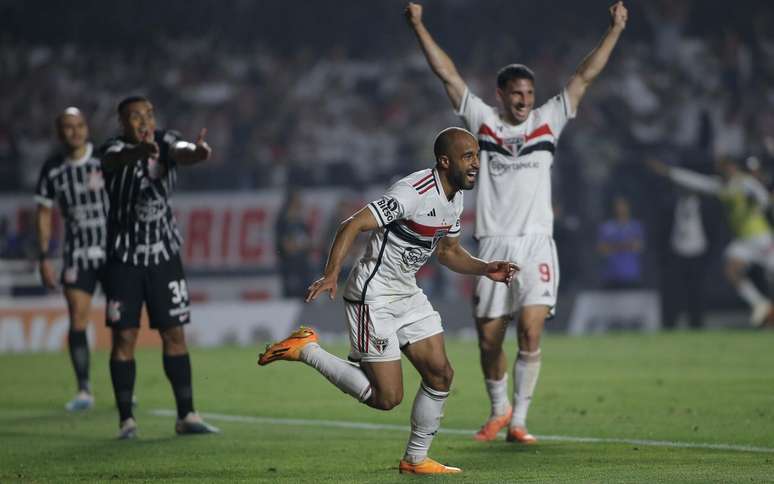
(413, 216)
(514, 182)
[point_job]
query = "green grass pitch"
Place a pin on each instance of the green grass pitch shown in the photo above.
(681, 388)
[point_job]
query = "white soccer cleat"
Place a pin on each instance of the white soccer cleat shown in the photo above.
(127, 430)
(761, 313)
(82, 401)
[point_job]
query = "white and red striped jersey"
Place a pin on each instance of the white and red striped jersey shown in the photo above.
(413, 216)
(514, 182)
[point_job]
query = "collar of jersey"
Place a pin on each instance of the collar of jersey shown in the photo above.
(439, 189)
(86, 156)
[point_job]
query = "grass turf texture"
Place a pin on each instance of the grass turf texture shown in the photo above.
(713, 387)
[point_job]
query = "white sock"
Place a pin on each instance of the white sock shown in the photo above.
(425, 420)
(347, 377)
(498, 395)
(526, 368)
(750, 293)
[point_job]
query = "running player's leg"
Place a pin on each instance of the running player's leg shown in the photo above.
(739, 254)
(493, 305)
(124, 294)
(78, 308)
(526, 368)
(540, 281)
(428, 356)
(377, 381)
(491, 333)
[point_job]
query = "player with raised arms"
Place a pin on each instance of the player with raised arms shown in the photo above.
(386, 311)
(745, 200)
(514, 217)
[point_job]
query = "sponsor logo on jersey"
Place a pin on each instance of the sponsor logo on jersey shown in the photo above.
(499, 165)
(389, 208)
(414, 258)
(431, 213)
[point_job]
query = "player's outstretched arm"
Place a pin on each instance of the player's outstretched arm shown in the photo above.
(593, 64)
(691, 180)
(439, 61)
(120, 155)
(186, 153)
(362, 221)
(43, 223)
(455, 257)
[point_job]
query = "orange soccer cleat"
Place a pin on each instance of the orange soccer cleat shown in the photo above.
(520, 434)
(427, 466)
(492, 426)
(289, 348)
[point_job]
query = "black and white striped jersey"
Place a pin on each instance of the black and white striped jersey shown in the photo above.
(78, 188)
(413, 216)
(142, 230)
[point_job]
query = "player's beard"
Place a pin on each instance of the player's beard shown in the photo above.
(460, 180)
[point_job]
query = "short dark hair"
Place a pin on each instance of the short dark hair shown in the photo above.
(514, 71)
(129, 100)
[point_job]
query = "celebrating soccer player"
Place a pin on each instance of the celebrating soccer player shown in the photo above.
(144, 263)
(745, 200)
(514, 219)
(73, 180)
(386, 311)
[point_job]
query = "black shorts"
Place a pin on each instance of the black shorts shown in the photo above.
(162, 288)
(83, 279)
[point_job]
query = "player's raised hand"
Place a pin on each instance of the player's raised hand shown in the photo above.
(203, 150)
(501, 271)
(413, 13)
(618, 15)
(47, 276)
(325, 283)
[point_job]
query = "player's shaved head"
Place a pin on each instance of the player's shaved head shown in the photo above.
(69, 111)
(447, 139)
(72, 129)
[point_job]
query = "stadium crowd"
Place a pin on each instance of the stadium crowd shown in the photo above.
(323, 99)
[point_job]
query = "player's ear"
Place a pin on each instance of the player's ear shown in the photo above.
(443, 162)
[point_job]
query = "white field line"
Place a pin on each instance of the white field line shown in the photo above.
(342, 424)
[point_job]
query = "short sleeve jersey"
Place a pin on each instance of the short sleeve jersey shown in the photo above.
(142, 230)
(78, 188)
(514, 182)
(413, 216)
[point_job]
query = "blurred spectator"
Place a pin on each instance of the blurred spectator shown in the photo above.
(620, 243)
(294, 247)
(686, 264)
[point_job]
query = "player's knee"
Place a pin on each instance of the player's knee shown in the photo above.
(489, 345)
(387, 400)
(173, 339)
(123, 343)
(441, 377)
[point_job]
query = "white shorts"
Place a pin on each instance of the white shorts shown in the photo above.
(536, 283)
(377, 333)
(756, 250)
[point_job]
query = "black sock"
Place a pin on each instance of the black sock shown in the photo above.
(79, 355)
(122, 373)
(178, 371)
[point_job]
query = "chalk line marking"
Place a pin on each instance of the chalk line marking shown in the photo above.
(342, 424)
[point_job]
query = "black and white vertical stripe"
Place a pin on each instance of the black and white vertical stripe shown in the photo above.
(142, 230)
(77, 187)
